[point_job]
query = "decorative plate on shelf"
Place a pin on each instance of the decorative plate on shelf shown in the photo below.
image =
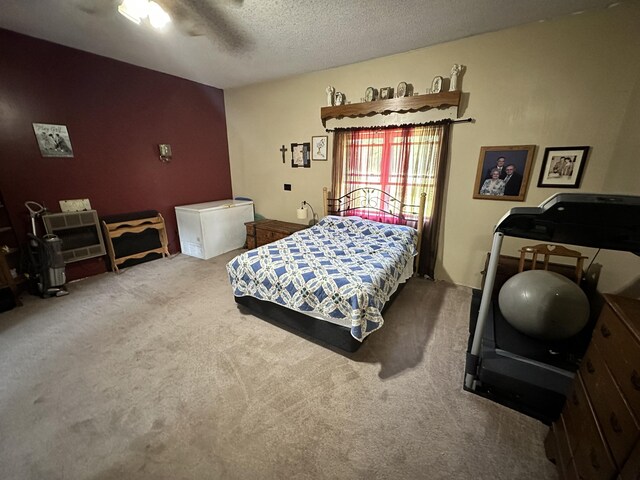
(436, 85)
(370, 94)
(401, 90)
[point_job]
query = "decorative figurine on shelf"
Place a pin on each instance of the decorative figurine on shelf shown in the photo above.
(455, 71)
(340, 98)
(330, 96)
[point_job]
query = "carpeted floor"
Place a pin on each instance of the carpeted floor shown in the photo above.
(156, 374)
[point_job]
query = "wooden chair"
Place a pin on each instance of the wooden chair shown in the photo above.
(548, 250)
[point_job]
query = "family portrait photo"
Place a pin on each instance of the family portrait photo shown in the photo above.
(503, 172)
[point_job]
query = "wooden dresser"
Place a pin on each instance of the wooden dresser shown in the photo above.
(598, 434)
(262, 232)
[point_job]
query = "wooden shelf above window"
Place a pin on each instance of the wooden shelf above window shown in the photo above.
(415, 103)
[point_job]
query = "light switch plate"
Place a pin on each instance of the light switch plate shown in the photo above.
(79, 205)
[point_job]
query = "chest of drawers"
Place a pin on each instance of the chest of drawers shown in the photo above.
(262, 232)
(597, 436)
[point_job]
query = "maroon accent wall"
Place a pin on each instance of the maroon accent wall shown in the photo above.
(116, 115)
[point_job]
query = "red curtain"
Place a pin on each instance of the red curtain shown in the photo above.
(401, 161)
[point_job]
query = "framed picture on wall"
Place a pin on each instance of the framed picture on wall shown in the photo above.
(300, 155)
(319, 147)
(562, 167)
(503, 172)
(53, 140)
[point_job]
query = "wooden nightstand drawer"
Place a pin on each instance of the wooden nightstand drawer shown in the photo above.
(252, 228)
(271, 230)
(616, 421)
(266, 236)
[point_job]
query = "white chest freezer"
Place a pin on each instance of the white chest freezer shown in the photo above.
(212, 228)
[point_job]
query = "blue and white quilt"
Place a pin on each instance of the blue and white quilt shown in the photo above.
(341, 268)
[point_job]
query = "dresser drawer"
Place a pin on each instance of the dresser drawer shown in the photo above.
(563, 443)
(590, 454)
(616, 421)
(551, 445)
(576, 408)
(617, 343)
(557, 449)
(570, 472)
(631, 469)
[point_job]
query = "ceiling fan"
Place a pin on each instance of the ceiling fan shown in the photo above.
(195, 18)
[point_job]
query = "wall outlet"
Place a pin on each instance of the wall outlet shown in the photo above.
(287, 186)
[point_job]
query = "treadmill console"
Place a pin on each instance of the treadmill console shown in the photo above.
(592, 220)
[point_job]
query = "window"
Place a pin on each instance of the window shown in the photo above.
(404, 162)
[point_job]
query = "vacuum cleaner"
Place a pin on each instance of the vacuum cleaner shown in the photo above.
(47, 268)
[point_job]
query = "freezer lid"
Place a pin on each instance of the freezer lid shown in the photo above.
(216, 205)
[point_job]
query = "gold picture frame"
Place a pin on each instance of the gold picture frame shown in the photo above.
(513, 164)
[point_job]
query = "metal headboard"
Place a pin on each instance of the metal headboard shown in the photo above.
(376, 200)
(373, 200)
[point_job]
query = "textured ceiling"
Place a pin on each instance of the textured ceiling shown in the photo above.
(231, 43)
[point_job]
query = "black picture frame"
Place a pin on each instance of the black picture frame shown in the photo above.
(300, 155)
(563, 167)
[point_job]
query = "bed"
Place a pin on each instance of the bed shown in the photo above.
(333, 281)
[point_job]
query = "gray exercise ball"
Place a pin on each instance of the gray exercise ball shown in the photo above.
(544, 305)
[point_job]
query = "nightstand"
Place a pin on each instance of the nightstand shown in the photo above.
(262, 232)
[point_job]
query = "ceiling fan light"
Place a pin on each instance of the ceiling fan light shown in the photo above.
(134, 10)
(157, 16)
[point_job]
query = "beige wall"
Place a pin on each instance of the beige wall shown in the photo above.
(622, 272)
(569, 81)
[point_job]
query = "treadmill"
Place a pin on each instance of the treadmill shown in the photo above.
(506, 366)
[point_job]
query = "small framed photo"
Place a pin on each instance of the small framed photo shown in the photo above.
(300, 155)
(53, 140)
(503, 172)
(319, 148)
(562, 167)
(386, 93)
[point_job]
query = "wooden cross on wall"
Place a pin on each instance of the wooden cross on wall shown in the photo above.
(283, 149)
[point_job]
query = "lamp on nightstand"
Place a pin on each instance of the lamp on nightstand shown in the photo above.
(303, 214)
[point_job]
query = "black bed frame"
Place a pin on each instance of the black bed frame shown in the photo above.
(321, 331)
(327, 332)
